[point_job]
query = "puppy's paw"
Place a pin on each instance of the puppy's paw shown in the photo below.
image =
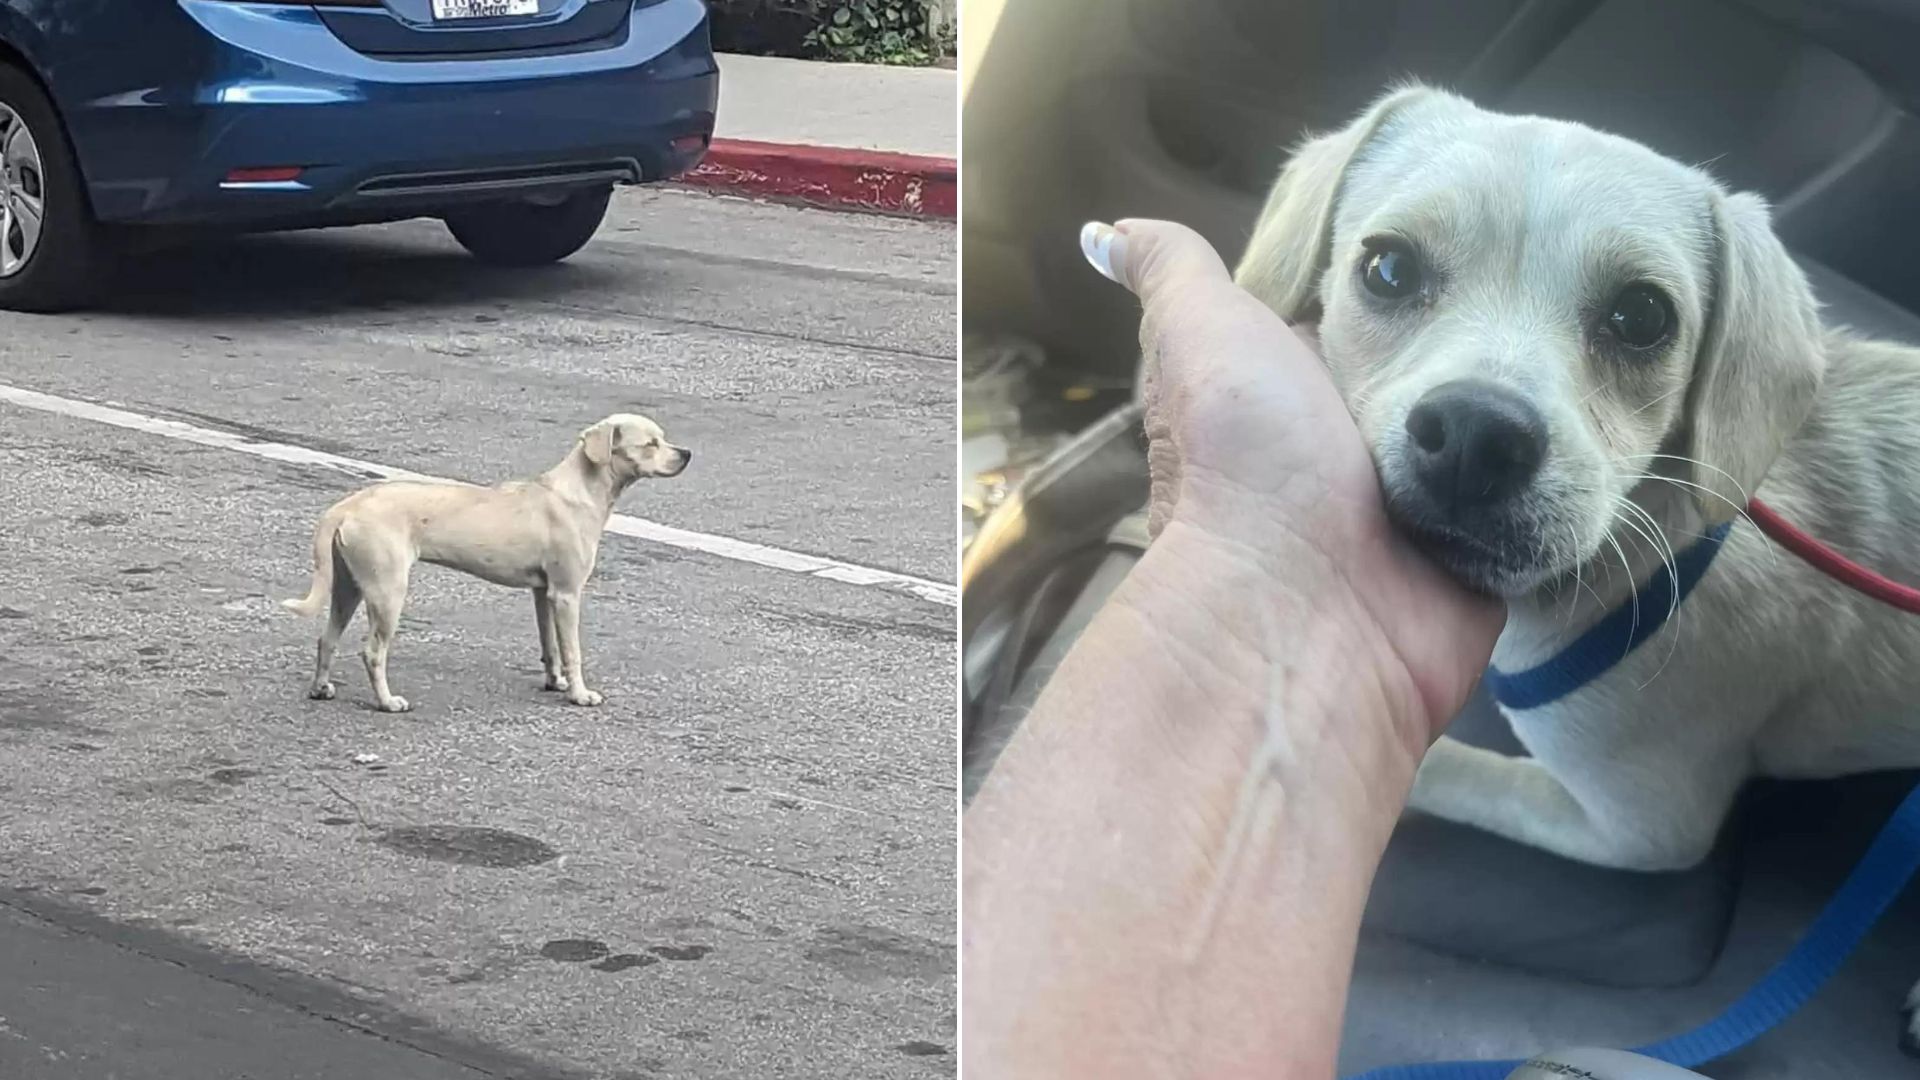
(557, 682)
(323, 692)
(585, 697)
(396, 704)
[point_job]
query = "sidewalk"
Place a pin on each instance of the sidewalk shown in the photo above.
(849, 136)
(86, 999)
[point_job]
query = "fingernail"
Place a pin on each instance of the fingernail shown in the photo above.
(1104, 248)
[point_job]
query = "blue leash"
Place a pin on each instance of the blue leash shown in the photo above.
(1876, 881)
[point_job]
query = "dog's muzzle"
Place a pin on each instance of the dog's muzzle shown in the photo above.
(1471, 453)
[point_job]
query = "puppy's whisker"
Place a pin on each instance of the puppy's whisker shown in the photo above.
(1670, 562)
(1740, 511)
(1657, 400)
(1673, 629)
(1745, 496)
(1578, 580)
(1644, 540)
(1662, 543)
(1773, 555)
(1634, 476)
(1635, 593)
(1608, 567)
(1551, 585)
(1657, 540)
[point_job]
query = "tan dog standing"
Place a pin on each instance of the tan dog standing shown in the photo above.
(541, 534)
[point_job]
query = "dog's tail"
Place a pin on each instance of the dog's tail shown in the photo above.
(322, 590)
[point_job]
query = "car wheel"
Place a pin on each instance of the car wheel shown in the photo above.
(52, 252)
(530, 233)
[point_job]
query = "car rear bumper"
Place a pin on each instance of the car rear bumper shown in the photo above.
(379, 137)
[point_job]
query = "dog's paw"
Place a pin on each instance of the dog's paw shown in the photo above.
(323, 692)
(557, 682)
(396, 703)
(585, 697)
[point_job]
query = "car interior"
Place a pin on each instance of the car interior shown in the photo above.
(1473, 947)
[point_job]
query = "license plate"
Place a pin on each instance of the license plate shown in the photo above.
(483, 9)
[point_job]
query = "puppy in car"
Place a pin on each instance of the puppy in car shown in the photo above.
(1575, 361)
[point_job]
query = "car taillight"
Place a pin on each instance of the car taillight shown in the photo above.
(265, 174)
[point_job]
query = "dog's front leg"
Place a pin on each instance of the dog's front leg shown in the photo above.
(549, 640)
(1519, 799)
(566, 619)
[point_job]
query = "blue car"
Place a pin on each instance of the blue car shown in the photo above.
(511, 120)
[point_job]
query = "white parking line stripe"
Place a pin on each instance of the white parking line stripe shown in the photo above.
(725, 547)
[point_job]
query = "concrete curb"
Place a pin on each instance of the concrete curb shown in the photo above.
(835, 177)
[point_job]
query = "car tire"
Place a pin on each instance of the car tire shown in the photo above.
(528, 233)
(62, 267)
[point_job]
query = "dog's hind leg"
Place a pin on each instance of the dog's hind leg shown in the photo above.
(380, 566)
(383, 618)
(346, 600)
(549, 640)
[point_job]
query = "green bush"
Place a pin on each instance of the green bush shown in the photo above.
(867, 31)
(881, 32)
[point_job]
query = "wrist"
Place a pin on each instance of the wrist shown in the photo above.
(1113, 816)
(1231, 613)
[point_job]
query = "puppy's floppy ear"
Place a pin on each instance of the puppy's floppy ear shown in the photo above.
(1760, 362)
(598, 442)
(1293, 237)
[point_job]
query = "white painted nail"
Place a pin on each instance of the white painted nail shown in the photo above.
(1104, 248)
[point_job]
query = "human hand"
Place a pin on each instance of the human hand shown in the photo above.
(1253, 455)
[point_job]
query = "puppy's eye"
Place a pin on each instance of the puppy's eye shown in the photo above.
(1391, 271)
(1641, 317)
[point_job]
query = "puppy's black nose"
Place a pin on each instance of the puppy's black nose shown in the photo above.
(686, 456)
(1474, 443)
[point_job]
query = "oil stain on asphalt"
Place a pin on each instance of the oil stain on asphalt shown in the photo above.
(623, 961)
(581, 950)
(574, 950)
(468, 845)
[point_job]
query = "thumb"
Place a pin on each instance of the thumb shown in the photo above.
(1151, 257)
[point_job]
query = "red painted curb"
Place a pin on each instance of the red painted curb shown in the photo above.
(831, 176)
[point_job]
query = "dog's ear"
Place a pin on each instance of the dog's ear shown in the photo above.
(598, 442)
(1760, 360)
(1292, 239)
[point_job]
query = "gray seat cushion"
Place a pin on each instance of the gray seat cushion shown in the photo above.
(1468, 894)
(1844, 303)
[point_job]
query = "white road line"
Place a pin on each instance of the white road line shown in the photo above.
(725, 547)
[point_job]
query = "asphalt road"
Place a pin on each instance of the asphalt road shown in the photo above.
(741, 865)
